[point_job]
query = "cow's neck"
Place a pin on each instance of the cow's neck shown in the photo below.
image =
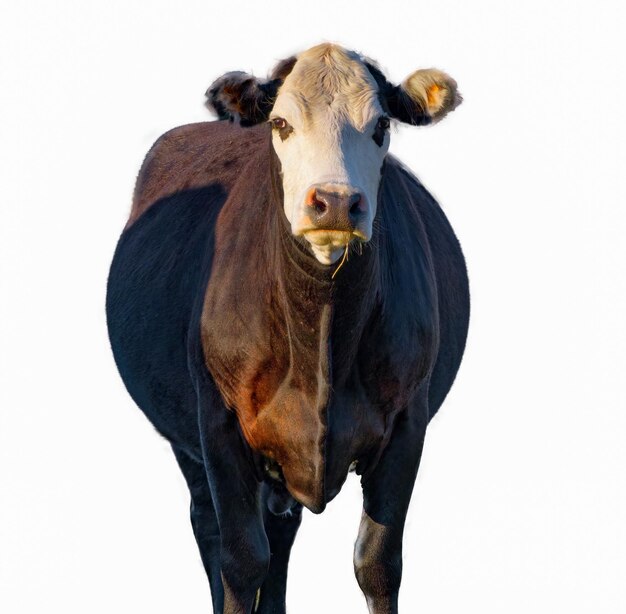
(325, 314)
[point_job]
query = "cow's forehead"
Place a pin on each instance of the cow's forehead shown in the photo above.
(328, 76)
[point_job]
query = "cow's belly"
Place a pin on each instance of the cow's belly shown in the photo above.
(158, 272)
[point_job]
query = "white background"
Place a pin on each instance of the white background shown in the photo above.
(520, 505)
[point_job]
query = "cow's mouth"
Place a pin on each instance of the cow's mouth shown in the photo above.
(323, 236)
(334, 238)
(329, 245)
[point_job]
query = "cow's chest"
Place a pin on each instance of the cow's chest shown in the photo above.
(314, 370)
(315, 383)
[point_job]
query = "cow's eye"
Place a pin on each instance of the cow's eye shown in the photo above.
(382, 125)
(279, 123)
(282, 126)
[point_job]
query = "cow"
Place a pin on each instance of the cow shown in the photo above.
(287, 304)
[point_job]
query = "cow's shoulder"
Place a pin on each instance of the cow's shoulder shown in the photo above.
(194, 156)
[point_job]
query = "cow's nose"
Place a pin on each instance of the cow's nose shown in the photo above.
(335, 208)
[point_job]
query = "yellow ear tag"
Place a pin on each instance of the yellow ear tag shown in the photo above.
(434, 96)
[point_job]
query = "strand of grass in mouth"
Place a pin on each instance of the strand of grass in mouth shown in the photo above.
(343, 259)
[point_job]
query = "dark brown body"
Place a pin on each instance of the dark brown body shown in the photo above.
(216, 311)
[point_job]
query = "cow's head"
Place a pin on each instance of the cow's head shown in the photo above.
(330, 110)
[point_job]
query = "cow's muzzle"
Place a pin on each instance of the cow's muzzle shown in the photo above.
(336, 208)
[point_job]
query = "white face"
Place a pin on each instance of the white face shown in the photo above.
(331, 135)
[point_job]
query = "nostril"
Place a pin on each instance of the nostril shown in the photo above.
(319, 205)
(355, 204)
(316, 201)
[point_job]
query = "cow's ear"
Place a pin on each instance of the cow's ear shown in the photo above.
(240, 97)
(283, 68)
(425, 96)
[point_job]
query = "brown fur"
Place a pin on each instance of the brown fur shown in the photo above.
(189, 157)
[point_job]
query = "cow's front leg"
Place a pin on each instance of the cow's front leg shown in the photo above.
(386, 495)
(281, 529)
(244, 549)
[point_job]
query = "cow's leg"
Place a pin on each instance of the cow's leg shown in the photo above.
(281, 529)
(204, 523)
(386, 495)
(235, 491)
